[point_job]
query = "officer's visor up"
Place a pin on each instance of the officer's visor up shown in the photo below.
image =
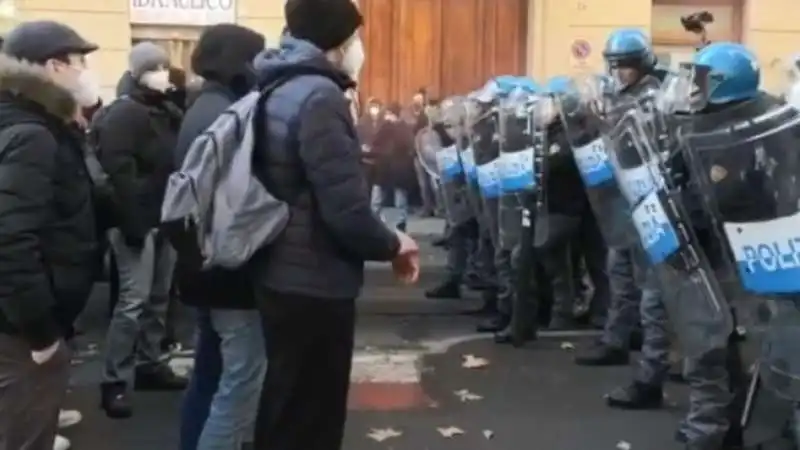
(688, 90)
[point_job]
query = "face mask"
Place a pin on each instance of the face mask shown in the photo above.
(374, 111)
(87, 89)
(157, 80)
(353, 58)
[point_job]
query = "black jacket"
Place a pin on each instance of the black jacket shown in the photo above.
(216, 288)
(135, 138)
(310, 156)
(48, 241)
(563, 186)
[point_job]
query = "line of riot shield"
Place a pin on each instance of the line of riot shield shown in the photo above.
(747, 171)
(695, 303)
(584, 123)
(451, 173)
(515, 165)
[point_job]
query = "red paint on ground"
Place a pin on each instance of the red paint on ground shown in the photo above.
(387, 397)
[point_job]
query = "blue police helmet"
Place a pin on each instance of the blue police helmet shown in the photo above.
(559, 85)
(528, 85)
(727, 72)
(629, 47)
(505, 83)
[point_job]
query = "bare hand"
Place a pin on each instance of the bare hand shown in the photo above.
(406, 268)
(406, 263)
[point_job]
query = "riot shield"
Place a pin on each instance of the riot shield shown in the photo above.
(467, 154)
(515, 165)
(691, 294)
(486, 148)
(451, 173)
(746, 169)
(584, 121)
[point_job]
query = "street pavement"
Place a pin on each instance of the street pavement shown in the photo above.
(409, 383)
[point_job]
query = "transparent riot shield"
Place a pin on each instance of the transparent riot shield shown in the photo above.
(515, 166)
(585, 117)
(486, 148)
(696, 307)
(451, 173)
(746, 169)
(467, 154)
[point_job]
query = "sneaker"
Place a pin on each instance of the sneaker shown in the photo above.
(68, 418)
(61, 443)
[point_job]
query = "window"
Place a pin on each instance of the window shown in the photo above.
(666, 28)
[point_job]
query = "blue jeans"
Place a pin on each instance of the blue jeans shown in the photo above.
(400, 215)
(219, 409)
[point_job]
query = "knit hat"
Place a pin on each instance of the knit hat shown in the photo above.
(146, 56)
(325, 23)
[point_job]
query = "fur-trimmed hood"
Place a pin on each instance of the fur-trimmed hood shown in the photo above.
(32, 82)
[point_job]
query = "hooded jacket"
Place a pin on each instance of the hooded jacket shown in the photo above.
(310, 156)
(48, 241)
(227, 78)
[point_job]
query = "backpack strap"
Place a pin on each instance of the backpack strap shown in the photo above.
(259, 123)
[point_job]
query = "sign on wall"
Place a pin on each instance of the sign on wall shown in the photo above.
(182, 12)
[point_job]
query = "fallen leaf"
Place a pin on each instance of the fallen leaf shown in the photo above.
(474, 362)
(92, 346)
(467, 396)
(382, 434)
(450, 431)
(76, 361)
(623, 445)
(567, 346)
(488, 434)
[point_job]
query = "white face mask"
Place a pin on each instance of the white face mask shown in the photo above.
(157, 80)
(353, 58)
(87, 89)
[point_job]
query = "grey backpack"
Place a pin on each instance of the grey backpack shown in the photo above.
(216, 212)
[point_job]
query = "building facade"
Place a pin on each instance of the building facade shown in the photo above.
(116, 25)
(447, 46)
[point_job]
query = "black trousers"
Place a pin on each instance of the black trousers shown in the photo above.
(309, 344)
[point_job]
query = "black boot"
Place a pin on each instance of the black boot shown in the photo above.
(475, 282)
(602, 355)
(493, 324)
(446, 290)
(440, 242)
(114, 400)
(401, 226)
(158, 378)
(636, 396)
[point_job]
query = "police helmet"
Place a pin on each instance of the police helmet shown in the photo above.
(726, 72)
(629, 47)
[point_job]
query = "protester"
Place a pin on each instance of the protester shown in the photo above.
(417, 116)
(47, 225)
(135, 136)
(220, 405)
(393, 150)
(308, 279)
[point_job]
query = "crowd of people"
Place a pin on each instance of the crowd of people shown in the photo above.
(81, 177)
(84, 183)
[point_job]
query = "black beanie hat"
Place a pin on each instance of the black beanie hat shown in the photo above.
(325, 23)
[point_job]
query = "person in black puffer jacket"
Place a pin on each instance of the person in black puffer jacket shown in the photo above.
(48, 239)
(134, 137)
(227, 319)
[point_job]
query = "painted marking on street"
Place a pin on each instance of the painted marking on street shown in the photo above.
(379, 380)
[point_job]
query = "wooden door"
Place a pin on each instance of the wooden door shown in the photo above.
(447, 46)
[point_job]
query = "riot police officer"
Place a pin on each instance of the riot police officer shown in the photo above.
(726, 92)
(632, 64)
